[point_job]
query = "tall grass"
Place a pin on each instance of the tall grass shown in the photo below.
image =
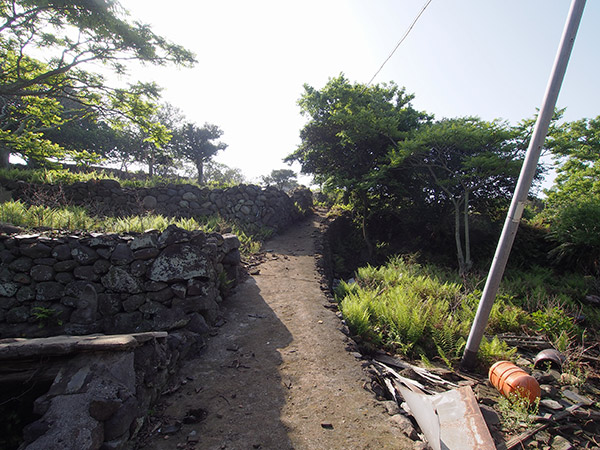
(423, 311)
(77, 218)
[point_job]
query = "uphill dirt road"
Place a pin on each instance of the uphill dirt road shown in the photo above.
(278, 374)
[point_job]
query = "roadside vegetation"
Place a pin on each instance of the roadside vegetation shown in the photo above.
(419, 205)
(425, 312)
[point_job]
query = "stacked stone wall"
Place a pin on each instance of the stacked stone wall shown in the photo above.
(52, 284)
(251, 206)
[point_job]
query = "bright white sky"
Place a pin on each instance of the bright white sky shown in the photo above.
(487, 58)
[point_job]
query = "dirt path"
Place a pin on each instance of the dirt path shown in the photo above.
(278, 374)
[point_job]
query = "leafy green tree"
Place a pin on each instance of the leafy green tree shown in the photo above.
(573, 203)
(284, 179)
(221, 174)
(351, 129)
(465, 163)
(196, 145)
(74, 34)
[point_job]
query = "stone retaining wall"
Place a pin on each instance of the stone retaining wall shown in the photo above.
(102, 386)
(53, 284)
(251, 206)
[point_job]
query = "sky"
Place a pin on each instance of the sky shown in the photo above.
(489, 58)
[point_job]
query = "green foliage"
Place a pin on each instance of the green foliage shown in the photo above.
(424, 311)
(351, 129)
(45, 316)
(553, 322)
(196, 145)
(573, 204)
(491, 351)
(77, 218)
(220, 175)
(284, 179)
(576, 230)
(459, 166)
(404, 307)
(39, 95)
(517, 412)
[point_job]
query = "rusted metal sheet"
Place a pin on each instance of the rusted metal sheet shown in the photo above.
(451, 420)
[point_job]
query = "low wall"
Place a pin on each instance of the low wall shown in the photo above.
(101, 386)
(251, 206)
(53, 284)
(111, 289)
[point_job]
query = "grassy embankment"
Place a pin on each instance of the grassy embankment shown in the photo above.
(77, 218)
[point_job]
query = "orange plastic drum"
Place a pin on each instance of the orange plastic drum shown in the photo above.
(509, 379)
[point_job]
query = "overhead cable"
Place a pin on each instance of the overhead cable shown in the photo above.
(406, 33)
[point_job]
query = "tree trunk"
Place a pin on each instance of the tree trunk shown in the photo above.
(468, 262)
(365, 212)
(151, 163)
(4, 155)
(200, 167)
(459, 251)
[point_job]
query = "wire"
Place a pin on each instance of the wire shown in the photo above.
(406, 33)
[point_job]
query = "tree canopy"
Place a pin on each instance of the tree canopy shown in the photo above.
(34, 93)
(465, 163)
(573, 203)
(196, 144)
(285, 179)
(351, 129)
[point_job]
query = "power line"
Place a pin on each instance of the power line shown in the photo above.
(406, 33)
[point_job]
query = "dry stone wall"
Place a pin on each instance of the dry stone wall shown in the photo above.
(251, 206)
(53, 284)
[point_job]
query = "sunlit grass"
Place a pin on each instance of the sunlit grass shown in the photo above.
(422, 312)
(76, 218)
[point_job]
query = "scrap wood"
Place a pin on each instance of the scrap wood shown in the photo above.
(529, 433)
(413, 385)
(587, 414)
(424, 373)
(524, 341)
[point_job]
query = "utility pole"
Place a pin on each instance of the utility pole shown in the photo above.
(517, 205)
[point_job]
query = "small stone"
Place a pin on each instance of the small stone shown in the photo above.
(121, 255)
(102, 409)
(392, 407)
(489, 415)
(567, 378)
(575, 397)
(405, 425)
(523, 362)
(560, 443)
(149, 202)
(548, 390)
(551, 404)
(545, 377)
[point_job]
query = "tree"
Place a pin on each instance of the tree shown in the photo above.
(195, 144)
(572, 208)
(74, 34)
(284, 179)
(351, 129)
(221, 174)
(466, 163)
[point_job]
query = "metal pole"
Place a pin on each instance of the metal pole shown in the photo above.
(525, 178)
